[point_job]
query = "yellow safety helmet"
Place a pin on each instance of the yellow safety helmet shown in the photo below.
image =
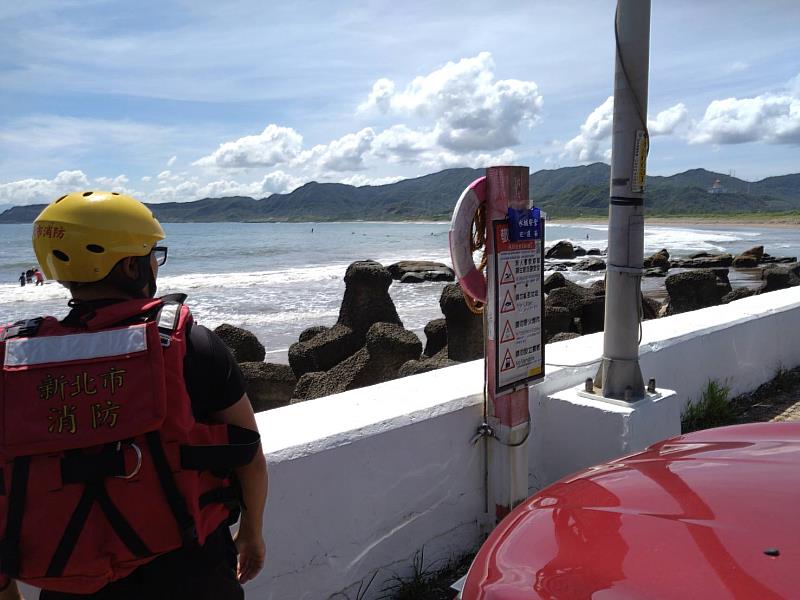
(81, 236)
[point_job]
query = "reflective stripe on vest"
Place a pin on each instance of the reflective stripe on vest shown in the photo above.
(82, 346)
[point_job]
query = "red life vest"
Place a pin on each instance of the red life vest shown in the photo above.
(102, 464)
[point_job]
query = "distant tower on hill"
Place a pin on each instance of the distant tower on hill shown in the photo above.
(716, 188)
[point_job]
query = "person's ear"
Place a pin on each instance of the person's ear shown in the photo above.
(129, 267)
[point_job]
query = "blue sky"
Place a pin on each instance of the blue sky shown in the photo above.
(174, 101)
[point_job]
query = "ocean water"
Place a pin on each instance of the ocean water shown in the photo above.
(276, 279)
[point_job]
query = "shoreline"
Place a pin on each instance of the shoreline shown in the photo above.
(770, 221)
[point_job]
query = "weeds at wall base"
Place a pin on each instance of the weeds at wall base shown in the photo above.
(426, 582)
(712, 410)
(765, 403)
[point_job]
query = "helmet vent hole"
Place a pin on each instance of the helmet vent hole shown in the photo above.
(60, 255)
(115, 193)
(95, 248)
(87, 194)
(60, 199)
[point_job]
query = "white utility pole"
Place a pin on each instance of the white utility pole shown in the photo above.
(619, 375)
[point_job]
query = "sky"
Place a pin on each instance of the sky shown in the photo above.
(180, 100)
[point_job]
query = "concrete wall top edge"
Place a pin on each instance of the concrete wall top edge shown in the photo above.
(314, 425)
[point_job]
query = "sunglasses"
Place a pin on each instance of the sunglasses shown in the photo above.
(160, 252)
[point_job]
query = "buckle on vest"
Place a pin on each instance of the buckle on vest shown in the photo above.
(21, 329)
(138, 466)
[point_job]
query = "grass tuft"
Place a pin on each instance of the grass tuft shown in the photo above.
(784, 379)
(427, 582)
(712, 410)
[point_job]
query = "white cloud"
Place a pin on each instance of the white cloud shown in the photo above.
(274, 145)
(115, 184)
(400, 144)
(585, 147)
(187, 190)
(227, 187)
(36, 191)
(345, 154)
(380, 97)
(589, 145)
(463, 116)
(171, 161)
(769, 118)
(164, 176)
(471, 111)
(668, 120)
(475, 160)
(178, 189)
(279, 182)
(359, 180)
(146, 178)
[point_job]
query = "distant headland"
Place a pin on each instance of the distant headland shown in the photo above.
(565, 193)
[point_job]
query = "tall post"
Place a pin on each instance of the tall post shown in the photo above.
(509, 411)
(619, 374)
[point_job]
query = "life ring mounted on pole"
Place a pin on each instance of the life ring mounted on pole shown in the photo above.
(469, 212)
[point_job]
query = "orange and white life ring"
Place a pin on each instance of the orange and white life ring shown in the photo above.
(472, 281)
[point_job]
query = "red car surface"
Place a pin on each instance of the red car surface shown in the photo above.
(711, 514)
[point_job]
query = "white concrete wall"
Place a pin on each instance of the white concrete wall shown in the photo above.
(360, 481)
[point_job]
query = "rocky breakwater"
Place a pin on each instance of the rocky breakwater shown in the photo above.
(571, 310)
(269, 385)
(702, 280)
(368, 344)
(696, 281)
(417, 271)
(561, 257)
(458, 337)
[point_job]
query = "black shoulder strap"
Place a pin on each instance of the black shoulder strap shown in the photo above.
(10, 555)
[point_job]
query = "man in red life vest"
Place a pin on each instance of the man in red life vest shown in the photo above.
(128, 438)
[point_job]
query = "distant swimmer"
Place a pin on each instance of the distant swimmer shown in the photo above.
(38, 276)
(22, 279)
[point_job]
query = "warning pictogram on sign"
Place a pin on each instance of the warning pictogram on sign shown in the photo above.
(508, 275)
(508, 362)
(508, 303)
(508, 333)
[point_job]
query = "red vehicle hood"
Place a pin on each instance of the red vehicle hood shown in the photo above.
(713, 514)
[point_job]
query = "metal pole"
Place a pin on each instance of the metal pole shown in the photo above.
(619, 375)
(509, 412)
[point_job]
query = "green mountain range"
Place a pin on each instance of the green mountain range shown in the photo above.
(565, 192)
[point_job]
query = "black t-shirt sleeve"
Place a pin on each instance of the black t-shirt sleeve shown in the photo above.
(213, 378)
